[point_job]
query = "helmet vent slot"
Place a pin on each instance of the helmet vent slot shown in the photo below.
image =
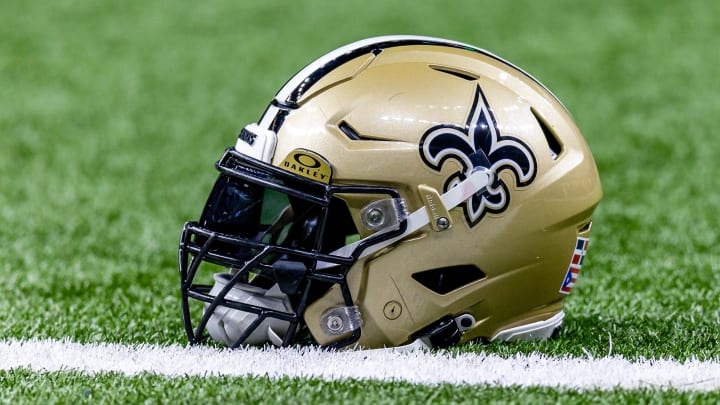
(550, 137)
(463, 74)
(585, 227)
(349, 131)
(354, 135)
(446, 279)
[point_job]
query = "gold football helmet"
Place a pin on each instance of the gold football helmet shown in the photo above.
(399, 190)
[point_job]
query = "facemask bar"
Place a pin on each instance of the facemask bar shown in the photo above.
(196, 246)
(220, 299)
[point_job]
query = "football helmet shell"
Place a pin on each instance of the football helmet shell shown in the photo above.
(431, 190)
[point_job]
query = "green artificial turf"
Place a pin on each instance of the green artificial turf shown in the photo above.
(112, 114)
(19, 386)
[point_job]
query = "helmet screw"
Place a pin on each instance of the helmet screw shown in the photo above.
(334, 323)
(443, 223)
(375, 217)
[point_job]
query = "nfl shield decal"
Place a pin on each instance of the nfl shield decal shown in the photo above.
(576, 262)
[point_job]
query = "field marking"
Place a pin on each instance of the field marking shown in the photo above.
(415, 367)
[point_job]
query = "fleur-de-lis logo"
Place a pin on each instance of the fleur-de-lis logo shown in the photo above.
(479, 144)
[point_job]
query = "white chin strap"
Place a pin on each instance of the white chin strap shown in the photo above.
(226, 325)
(477, 181)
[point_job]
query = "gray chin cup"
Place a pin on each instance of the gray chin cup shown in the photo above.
(226, 325)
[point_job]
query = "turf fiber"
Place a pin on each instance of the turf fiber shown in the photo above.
(112, 114)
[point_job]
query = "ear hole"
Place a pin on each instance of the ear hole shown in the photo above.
(446, 279)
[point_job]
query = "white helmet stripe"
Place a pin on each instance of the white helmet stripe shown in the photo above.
(294, 88)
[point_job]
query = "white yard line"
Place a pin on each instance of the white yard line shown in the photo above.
(415, 367)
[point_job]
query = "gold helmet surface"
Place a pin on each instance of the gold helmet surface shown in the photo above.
(399, 189)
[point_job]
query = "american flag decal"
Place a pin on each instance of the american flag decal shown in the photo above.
(576, 262)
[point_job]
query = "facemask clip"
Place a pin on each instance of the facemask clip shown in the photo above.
(341, 320)
(383, 214)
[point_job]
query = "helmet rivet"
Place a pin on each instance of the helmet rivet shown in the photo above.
(443, 223)
(375, 217)
(334, 323)
(392, 310)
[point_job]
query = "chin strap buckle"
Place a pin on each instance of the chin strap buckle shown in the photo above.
(441, 334)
